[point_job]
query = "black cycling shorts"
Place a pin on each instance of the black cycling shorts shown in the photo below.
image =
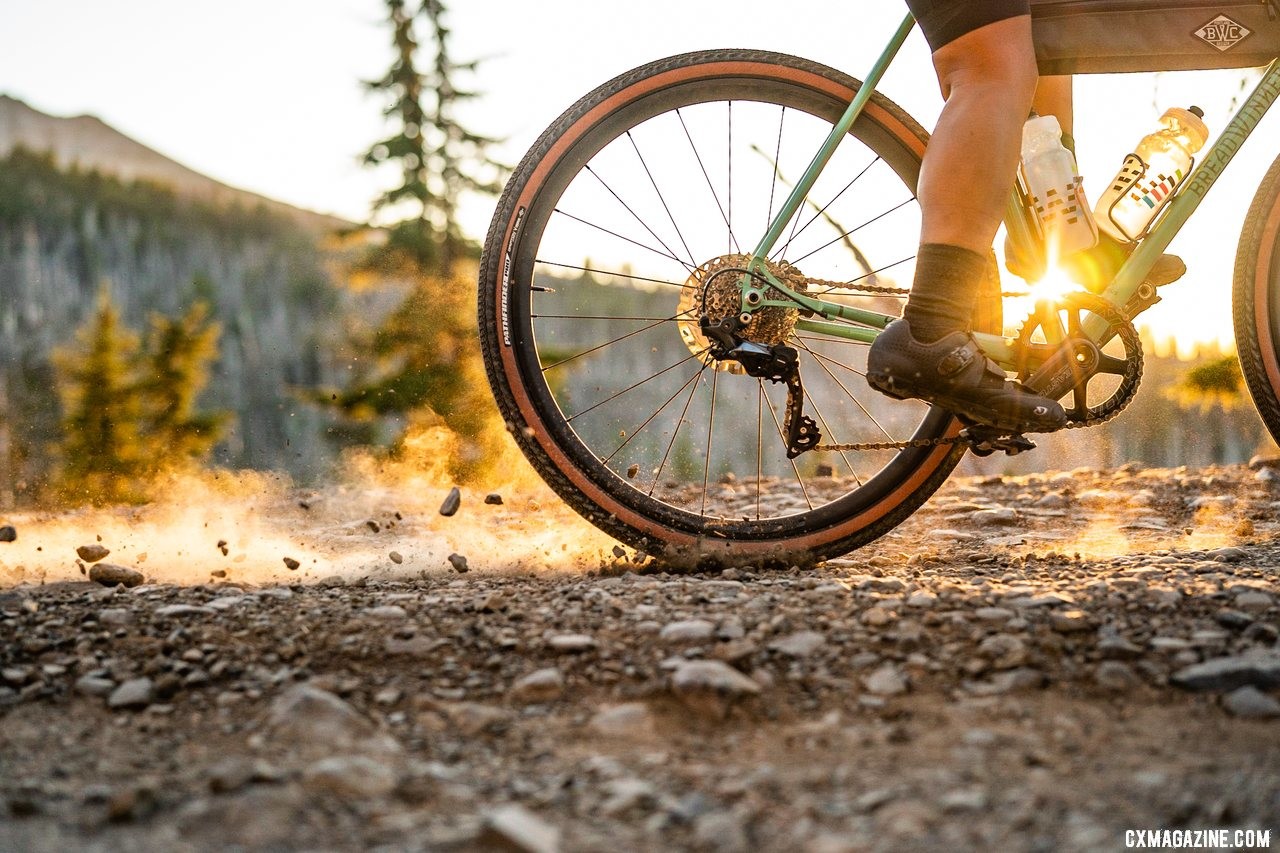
(944, 21)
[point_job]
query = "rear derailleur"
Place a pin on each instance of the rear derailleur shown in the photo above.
(777, 363)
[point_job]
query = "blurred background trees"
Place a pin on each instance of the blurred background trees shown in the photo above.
(421, 365)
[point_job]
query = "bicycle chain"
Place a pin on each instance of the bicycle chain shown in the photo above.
(955, 439)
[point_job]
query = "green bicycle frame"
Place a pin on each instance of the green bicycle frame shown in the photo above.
(1127, 280)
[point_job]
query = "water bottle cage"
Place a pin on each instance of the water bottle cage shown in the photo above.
(1160, 207)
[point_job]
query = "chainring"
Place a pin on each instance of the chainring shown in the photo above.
(1068, 366)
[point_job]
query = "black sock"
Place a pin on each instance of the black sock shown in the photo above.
(944, 291)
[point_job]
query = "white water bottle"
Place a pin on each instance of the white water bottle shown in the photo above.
(1151, 174)
(1057, 193)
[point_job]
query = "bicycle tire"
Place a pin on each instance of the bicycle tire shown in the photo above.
(1255, 300)
(583, 477)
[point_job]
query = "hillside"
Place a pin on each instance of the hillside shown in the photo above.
(91, 144)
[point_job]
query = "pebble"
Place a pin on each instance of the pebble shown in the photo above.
(317, 724)
(109, 574)
(1252, 703)
(722, 832)
(543, 685)
(451, 502)
(876, 617)
(885, 680)
(1115, 676)
(115, 616)
(1069, 621)
(183, 610)
(8, 533)
(291, 564)
(459, 563)
(133, 695)
(1005, 651)
(688, 631)
(515, 828)
(386, 613)
(1229, 673)
(1253, 601)
(91, 685)
(711, 688)
(351, 777)
(92, 553)
(800, 644)
(396, 557)
(493, 499)
(1009, 681)
(628, 720)
(572, 643)
(993, 614)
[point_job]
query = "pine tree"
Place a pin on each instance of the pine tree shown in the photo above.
(175, 370)
(129, 412)
(102, 451)
(439, 158)
(424, 358)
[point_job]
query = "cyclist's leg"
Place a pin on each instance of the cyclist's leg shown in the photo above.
(986, 67)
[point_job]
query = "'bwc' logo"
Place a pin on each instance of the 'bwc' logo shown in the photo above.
(1223, 33)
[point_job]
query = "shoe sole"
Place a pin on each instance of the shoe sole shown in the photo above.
(890, 386)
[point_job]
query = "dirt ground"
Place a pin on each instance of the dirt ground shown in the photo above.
(1031, 663)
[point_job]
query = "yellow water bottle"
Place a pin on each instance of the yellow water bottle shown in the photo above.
(1151, 174)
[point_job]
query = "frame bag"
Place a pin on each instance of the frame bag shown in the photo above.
(1106, 36)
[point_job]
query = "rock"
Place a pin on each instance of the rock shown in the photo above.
(171, 610)
(386, 613)
(91, 685)
(993, 614)
(623, 795)
(964, 800)
(261, 817)
(885, 680)
(1233, 619)
(543, 685)
(1009, 681)
(493, 499)
(109, 574)
(1227, 555)
(922, 599)
(799, 645)
(1115, 676)
(115, 616)
(1252, 703)
(133, 695)
(572, 643)
(876, 617)
(1253, 601)
(1005, 651)
(1229, 673)
(8, 533)
(516, 828)
(352, 777)
(291, 564)
(396, 557)
(472, 718)
(711, 688)
(92, 553)
(232, 774)
(451, 502)
(1118, 648)
(318, 724)
(1069, 621)
(459, 563)
(688, 631)
(629, 720)
(994, 517)
(722, 832)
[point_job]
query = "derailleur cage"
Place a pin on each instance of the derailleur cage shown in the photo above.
(777, 363)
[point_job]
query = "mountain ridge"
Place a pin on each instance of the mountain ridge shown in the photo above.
(89, 143)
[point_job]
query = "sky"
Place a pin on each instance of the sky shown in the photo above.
(266, 95)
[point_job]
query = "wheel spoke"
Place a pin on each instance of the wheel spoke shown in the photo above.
(599, 347)
(663, 199)
(759, 443)
(613, 397)
(819, 359)
(627, 440)
(822, 210)
(854, 230)
(702, 166)
(637, 243)
(679, 423)
(711, 431)
(796, 468)
(636, 216)
(773, 187)
(614, 274)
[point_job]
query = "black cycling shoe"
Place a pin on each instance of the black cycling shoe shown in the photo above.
(954, 374)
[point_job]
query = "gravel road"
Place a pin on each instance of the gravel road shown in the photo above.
(1031, 663)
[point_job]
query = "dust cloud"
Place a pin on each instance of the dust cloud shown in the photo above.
(376, 519)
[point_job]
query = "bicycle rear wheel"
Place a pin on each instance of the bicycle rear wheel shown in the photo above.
(588, 287)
